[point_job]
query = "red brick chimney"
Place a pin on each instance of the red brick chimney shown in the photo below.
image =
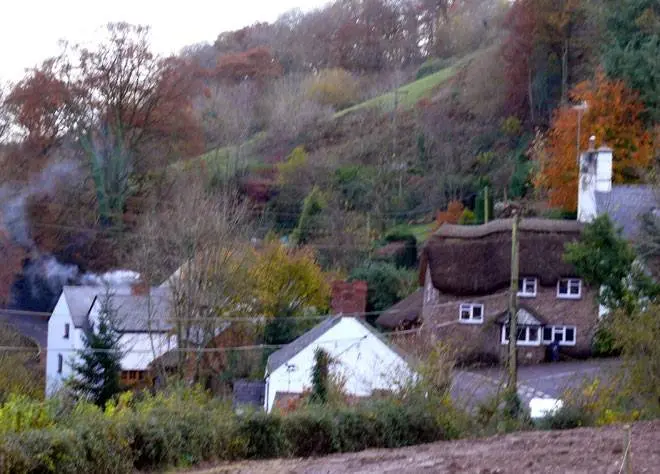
(139, 288)
(349, 297)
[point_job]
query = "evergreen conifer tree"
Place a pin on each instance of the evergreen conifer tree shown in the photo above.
(96, 374)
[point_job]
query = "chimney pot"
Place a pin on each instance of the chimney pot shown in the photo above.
(592, 142)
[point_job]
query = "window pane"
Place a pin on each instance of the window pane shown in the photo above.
(506, 333)
(575, 287)
(521, 285)
(547, 333)
(477, 311)
(530, 286)
(521, 334)
(465, 313)
(569, 335)
(563, 287)
(533, 334)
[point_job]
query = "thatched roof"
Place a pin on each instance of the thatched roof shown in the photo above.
(404, 313)
(473, 260)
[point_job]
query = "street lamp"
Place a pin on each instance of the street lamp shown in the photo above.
(581, 108)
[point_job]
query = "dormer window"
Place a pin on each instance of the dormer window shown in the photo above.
(66, 331)
(471, 313)
(569, 288)
(527, 287)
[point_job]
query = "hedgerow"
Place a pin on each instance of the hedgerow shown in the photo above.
(185, 427)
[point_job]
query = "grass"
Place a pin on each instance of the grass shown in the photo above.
(421, 231)
(409, 94)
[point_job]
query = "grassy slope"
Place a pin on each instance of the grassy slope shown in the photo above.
(409, 94)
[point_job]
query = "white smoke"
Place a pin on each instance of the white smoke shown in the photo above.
(116, 278)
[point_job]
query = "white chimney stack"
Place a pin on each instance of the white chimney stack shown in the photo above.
(604, 170)
(595, 176)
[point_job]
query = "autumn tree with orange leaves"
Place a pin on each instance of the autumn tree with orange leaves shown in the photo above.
(613, 116)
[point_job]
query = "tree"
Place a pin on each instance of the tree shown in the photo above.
(614, 117)
(605, 260)
(287, 283)
(334, 87)
(96, 375)
(386, 284)
(632, 51)
(320, 377)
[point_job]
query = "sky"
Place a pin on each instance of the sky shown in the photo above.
(31, 29)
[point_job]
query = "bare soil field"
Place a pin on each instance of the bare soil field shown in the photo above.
(585, 450)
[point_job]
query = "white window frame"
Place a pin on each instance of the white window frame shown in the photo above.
(527, 294)
(560, 330)
(527, 341)
(569, 295)
(470, 307)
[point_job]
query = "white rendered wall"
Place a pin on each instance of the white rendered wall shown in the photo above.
(59, 345)
(364, 361)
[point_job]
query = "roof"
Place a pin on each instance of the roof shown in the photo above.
(526, 317)
(135, 313)
(286, 353)
(405, 311)
(80, 299)
(476, 260)
(625, 206)
(31, 326)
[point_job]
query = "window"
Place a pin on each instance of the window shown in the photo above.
(66, 331)
(569, 288)
(565, 335)
(471, 313)
(527, 335)
(527, 287)
(60, 363)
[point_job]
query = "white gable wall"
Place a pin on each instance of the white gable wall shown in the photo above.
(58, 346)
(364, 361)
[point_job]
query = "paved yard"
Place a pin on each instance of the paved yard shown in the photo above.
(542, 381)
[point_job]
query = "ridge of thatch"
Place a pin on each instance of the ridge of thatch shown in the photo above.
(473, 260)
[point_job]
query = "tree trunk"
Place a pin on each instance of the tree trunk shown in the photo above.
(564, 73)
(530, 94)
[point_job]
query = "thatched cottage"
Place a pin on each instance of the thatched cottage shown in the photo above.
(466, 277)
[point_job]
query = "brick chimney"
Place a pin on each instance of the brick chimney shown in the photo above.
(349, 297)
(139, 288)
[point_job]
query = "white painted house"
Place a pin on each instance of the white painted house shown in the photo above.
(361, 357)
(141, 319)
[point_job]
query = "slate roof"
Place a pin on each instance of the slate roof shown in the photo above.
(286, 353)
(405, 311)
(32, 326)
(625, 205)
(135, 313)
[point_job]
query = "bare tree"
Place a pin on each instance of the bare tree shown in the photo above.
(193, 246)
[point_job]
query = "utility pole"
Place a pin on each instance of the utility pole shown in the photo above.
(513, 310)
(486, 206)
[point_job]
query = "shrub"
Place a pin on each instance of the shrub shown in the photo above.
(566, 418)
(21, 413)
(310, 433)
(386, 284)
(263, 435)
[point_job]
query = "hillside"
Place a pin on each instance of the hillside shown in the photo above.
(592, 450)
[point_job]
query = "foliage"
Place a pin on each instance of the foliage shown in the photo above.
(567, 417)
(288, 280)
(605, 260)
(320, 376)
(633, 47)
(386, 284)
(96, 375)
(313, 206)
(407, 257)
(614, 118)
(20, 372)
(452, 215)
(467, 218)
(21, 413)
(335, 87)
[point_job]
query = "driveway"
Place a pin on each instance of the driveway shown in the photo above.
(472, 387)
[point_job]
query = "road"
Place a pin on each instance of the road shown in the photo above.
(472, 387)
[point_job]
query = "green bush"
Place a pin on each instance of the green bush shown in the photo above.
(263, 434)
(566, 418)
(310, 433)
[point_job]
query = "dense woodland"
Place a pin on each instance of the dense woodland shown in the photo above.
(340, 130)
